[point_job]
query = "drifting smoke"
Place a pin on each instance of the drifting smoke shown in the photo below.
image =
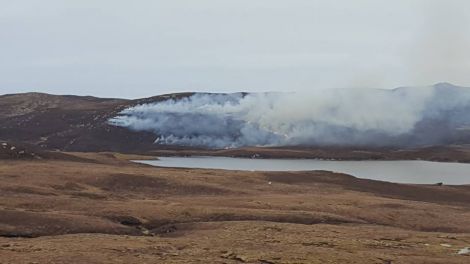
(403, 116)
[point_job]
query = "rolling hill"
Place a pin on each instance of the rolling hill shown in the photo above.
(82, 123)
(69, 123)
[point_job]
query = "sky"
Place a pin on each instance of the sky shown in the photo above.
(133, 49)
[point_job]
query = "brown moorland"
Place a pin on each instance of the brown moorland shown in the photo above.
(101, 208)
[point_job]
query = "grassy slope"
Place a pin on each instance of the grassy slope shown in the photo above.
(84, 211)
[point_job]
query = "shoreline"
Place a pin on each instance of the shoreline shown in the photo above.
(438, 173)
(300, 158)
(457, 154)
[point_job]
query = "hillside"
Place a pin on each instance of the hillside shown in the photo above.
(82, 123)
(73, 123)
(66, 122)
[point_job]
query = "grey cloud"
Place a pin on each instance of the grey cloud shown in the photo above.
(119, 49)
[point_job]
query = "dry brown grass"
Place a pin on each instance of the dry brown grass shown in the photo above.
(109, 210)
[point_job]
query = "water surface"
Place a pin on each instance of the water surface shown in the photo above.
(421, 172)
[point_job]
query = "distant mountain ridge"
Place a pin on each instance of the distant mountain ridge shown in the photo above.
(77, 123)
(81, 123)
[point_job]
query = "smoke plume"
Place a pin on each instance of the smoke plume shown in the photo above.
(347, 117)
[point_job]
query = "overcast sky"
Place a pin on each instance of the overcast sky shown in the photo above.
(118, 48)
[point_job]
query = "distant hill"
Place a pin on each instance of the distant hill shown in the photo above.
(81, 123)
(70, 123)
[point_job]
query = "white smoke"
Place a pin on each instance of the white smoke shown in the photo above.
(322, 117)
